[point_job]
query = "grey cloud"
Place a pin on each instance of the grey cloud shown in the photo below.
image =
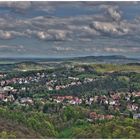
(51, 29)
(51, 5)
(39, 5)
(114, 13)
(60, 48)
(114, 25)
(50, 35)
(10, 23)
(122, 50)
(68, 28)
(17, 5)
(12, 48)
(115, 50)
(22, 6)
(83, 31)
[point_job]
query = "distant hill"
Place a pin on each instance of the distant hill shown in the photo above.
(133, 64)
(106, 59)
(29, 64)
(26, 66)
(22, 66)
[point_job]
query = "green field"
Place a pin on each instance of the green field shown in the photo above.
(116, 68)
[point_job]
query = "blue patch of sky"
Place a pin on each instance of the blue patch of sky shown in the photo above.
(4, 10)
(64, 11)
(60, 11)
(130, 12)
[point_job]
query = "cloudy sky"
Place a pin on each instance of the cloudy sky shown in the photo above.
(67, 29)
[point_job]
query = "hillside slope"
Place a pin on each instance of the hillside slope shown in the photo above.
(10, 129)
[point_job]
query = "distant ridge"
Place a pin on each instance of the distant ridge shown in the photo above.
(98, 59)
(107, 57)
(61, 58)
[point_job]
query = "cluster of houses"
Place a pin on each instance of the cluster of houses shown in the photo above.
(67, 99)
(49, 83)
(24, 101)
(112, 101)
(76, 81)
(7, 94)
(23, 80)
(136, 116)
(59, 87)
(2, 75)
(6, 89)
(94, 116)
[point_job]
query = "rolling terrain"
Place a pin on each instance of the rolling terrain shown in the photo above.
(29, 64)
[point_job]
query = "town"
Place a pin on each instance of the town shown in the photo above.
(18, 92)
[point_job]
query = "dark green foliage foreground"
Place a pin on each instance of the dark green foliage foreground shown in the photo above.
(68, 124)
(118, 128)
(12, 129)
(36, 122)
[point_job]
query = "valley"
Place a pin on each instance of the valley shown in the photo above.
(70, 99)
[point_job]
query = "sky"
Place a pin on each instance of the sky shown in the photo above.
(69, 29)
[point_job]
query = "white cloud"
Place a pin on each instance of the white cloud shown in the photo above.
(10, 34)
(112, 28)
(115, 15)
